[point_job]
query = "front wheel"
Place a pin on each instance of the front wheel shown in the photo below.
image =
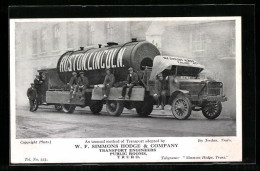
(212, 110)
(67, 108)
(96, 106)
(181, 107)
(144, 108)
(114, 107)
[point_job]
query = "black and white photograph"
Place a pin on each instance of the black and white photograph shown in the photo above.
(126, 89)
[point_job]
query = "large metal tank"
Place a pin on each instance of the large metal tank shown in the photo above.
(119, 58)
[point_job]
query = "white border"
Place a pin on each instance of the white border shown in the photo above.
(56, 156)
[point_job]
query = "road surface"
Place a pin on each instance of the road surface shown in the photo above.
(46, 122)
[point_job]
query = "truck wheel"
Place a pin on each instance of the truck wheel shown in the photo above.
(212, 109)
(35, 105)
(58, 107)
(144, 109)
(96, 106)
(181, 107)
(128, 105)
(114, 107)
(67, 108)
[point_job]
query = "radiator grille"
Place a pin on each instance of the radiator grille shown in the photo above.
(214, 88)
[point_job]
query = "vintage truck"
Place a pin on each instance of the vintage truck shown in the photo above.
(186, 90)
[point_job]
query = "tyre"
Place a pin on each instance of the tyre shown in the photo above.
(96, 106)
(144, 108)
(67, 108)
(58, 107)
(181, 107)
(128, 105)
(114, 107)
(35, 105)
(212, 109)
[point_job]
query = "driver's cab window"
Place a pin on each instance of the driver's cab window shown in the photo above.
(170, 72)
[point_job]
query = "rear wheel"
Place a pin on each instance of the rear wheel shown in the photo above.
(96, 106)
(128, 105)
(181, 107)
(114, 107)
(58, 107)
(67, 108)
(212, 109)
(144, 108)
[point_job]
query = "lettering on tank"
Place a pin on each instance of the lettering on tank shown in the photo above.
(110, 58)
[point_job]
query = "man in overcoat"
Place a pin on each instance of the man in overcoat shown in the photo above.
(32, 95)
(160, 89)
(38, 87)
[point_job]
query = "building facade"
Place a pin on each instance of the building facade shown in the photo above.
(40, 44)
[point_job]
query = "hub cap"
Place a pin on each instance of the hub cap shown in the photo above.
(112, 106)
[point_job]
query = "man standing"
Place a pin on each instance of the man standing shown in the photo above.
(44, 87)
(38, 84)
(131, 81)
(32, 95)
(73, 85)
(108, 83)
(83, 84)
(160, 90)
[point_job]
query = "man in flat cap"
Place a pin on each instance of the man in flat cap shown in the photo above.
(160, 89)
(131, 81)
(108, 83)
(32, 95)
(73, 85)
(38, 87)
(83, 83)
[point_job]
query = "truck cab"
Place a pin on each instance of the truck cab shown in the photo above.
(187, 89)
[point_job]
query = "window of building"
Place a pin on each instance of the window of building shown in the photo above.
(17, 45)
(56, 36)
(91, 34)
(70, 35)
(82, 35)
(233, 41)
(199, 41)
(110, 30)
(43, 42)
(24, 43)
(34, 42)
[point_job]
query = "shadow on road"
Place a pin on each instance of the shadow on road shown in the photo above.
(157, 114)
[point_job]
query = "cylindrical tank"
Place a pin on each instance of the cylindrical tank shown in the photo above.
(119, 58)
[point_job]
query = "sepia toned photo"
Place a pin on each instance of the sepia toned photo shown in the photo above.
(114, 82)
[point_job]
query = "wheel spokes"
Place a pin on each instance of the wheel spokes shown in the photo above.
(211, 109)
(180, 107)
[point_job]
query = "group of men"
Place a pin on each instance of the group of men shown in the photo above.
(160, 89)
(131, 81)
(81, 83)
